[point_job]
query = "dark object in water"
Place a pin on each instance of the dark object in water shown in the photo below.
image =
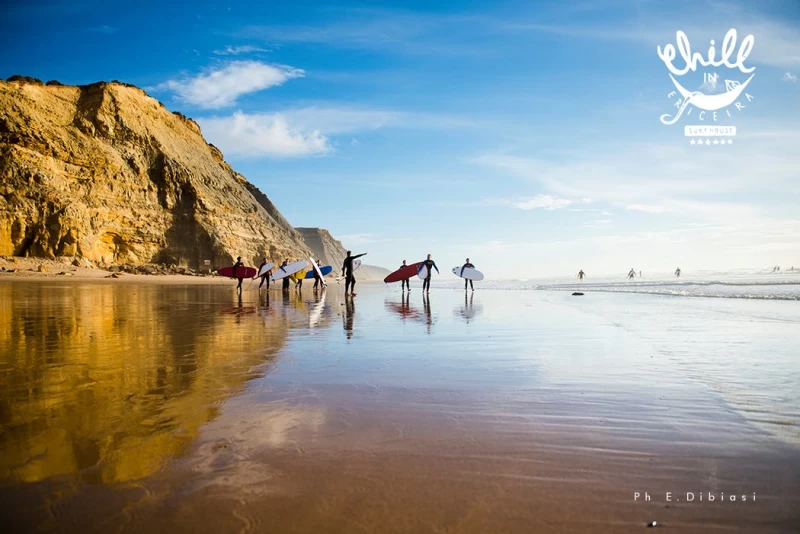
(577, 294)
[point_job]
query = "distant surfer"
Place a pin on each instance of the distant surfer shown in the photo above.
(347, 272)
(631, 274)
(678, 272)
(318, 281)
(429, 264)
(298, 280)
(265, 276)
(581, 275)
(467, 265)
(236, 266)
(406, 282)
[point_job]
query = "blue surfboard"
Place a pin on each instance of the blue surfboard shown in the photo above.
(326, 270)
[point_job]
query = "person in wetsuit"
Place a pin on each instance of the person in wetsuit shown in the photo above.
(678, 272)
(265, 276)
(467, 265)
(347, 272)
(237, 265)
(430, 264)
(285, 278)
(581, 275)
(407, 282)
(318, 281)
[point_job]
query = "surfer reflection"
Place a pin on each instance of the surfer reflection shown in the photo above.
(426, 306)
(347, 272)
(581, 275)
(349, 313)
(237, 265)
(430, 265)
(468, 311)
(678, 272)
(467, 265)
(407, 282)
(265, 276)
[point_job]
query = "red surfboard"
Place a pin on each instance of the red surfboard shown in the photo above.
(402, 273)
(241, 272)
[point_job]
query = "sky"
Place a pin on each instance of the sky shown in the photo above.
(523, 135)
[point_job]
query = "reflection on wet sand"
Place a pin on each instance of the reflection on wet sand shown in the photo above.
(108, 382)
(404, 308)
(469, 310)
(349, 315)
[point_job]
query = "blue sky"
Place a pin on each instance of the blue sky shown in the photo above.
(525, 135)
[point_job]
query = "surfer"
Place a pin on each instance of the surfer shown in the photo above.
(429, 263)
(467, 265)
(265, 276)
(318, 281)
(347, 272)
(581, 275)
(678, 272)
(285, 278)
(631, 274)
(407, 281)
(235, 266)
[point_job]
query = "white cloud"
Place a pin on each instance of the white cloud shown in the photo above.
(263, 135)
(238, 50)
(305, 131)
(647, 208)
(218, 88)
(789, 77)
(547, 202)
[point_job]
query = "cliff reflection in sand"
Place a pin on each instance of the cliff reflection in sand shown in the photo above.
(108, 382)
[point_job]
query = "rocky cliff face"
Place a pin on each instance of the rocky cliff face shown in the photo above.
(105, 172)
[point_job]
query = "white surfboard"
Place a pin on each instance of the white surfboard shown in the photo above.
(469, 273)
(316, 269)
(283, 272)
(264, 270)
(356, 265)
(423, 273)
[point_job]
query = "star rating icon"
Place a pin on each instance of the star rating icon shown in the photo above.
(709, 142)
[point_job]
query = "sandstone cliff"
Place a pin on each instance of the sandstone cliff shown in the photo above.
(104, 172)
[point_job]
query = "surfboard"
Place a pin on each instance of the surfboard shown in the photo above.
(423, 273)
(299, 275)
(265, 269)
(283, 272)
(469, 274)
(356, 265)
(241, 272)
(403, 273)
(321, 271)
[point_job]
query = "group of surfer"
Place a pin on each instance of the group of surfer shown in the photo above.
(631, 274)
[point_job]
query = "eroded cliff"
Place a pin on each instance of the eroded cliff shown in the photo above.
(105, 172)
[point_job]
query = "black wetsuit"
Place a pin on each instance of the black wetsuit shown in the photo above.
(264, 277)
(236, 266)
(285, 278)
(317, 280)
(406, 282)
(467, 266)
(430, 264)
(347, 269)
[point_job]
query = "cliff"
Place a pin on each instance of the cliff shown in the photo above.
(104, 172)
(331, 251)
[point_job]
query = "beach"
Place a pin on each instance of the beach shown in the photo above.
(179, 406)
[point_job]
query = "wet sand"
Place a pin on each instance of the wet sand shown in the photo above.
(135, 408)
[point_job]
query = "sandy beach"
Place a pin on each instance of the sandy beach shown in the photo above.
(169, 407)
